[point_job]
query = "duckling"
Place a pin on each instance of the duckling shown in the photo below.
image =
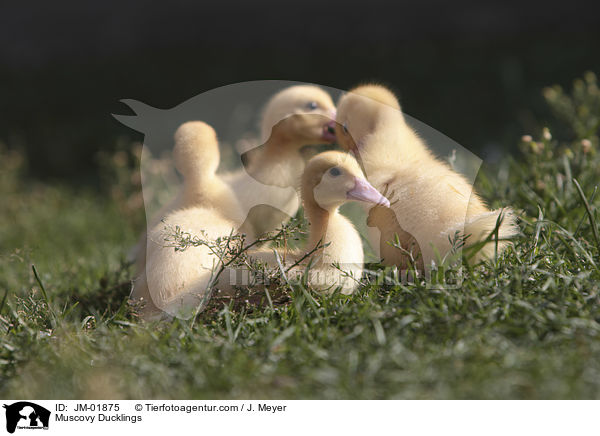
(178, 281)
(330, 179)
(206, 205)
(435, 201)
(196, 156)
(267, 186)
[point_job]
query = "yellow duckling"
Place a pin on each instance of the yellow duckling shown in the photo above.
(267, 188)
(330, 179)
(177, 280)
(435, 201)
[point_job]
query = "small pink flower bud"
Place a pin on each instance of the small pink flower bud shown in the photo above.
(586, 145)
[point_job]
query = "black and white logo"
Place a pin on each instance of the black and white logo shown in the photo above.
(26, 415)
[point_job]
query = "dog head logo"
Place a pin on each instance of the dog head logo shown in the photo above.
(26, 415)
(261, 135)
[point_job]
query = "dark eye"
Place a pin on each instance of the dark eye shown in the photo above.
(312, 105)
(335, 171)
(345, 127)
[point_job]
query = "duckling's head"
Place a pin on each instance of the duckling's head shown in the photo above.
(332, 178)
(299, 115)
(196, 150)
(361, 110)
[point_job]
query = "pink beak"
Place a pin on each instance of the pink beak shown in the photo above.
(363, 191)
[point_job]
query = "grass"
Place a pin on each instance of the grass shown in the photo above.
(525, 325)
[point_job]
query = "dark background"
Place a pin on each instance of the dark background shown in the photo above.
(472, 70)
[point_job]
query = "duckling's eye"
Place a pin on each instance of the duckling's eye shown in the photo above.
(335, 171)
(345, 127)
(312, 105)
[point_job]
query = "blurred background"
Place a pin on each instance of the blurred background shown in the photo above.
(470, 69)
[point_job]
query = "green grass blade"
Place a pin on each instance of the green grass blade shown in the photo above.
(45, 295)
(42, 288)
(3, 301)
(589, 213)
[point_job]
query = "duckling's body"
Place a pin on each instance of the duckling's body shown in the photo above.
(178, 280)
(197, 190)
(207, 207)
(435, 202)
(329, 180)
(267, 188)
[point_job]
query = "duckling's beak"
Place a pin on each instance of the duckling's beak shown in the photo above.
(328, 133)
(363, 191)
